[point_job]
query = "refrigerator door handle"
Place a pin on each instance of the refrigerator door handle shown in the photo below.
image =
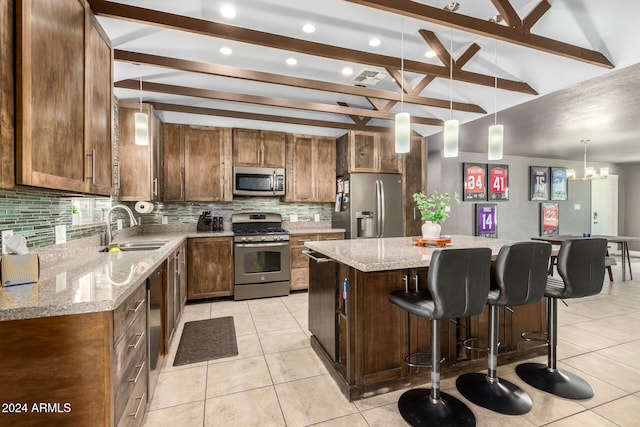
(383, 209)
(378, 208)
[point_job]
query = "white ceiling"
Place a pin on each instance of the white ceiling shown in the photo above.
(604, 110)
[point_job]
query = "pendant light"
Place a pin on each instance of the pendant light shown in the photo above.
(589, 171)
(451, 127)
(496, 132)
(403, 120)
(141, 123)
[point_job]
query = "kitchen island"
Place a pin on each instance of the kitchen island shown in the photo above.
(363, 339)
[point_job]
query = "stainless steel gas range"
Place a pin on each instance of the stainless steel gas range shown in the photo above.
(261, 256)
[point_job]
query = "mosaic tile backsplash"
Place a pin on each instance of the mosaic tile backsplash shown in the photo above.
(34, 213)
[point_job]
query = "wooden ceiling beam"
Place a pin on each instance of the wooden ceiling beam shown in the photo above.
(357, 120)
(258, 76)
(487, 29)
(467, 55)
(508, 13)
(188, 109)
(436, 45)
(262, 100)
(260, 38)
(536, 14)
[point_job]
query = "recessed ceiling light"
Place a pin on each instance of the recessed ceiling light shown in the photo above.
(228, 11)
(347, 71)
(309, 28)
(226, 50)
(430, 53)
(292, 61)
(374, 42)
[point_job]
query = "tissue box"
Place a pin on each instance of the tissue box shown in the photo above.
(19, 269)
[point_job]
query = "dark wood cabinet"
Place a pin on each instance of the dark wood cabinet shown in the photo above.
(7, 96)
(210, 272)
(413, 182)
(360, 151)
(299, 263)
(196, 163)
(258, 148)
(311, 169)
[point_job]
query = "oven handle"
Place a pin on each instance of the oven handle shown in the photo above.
(318, 260)
(261, 245)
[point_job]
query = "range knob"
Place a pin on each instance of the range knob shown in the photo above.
(244, 239)
(263, 238)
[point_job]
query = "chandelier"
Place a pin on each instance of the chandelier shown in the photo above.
(589, 172)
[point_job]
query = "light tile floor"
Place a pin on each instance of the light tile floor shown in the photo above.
(276, 380)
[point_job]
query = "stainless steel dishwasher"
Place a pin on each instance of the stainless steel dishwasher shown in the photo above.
(155, 283)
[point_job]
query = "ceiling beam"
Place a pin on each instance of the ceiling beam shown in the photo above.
(536, 14)
(487, 29)
(259, 76)
(263, 100)
(188, 109)
(260, 38)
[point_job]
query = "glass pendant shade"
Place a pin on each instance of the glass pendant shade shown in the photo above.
(451, 136)
(403, 132)
(142, 128)
(571, 174)
(496, 138)
(604, 172)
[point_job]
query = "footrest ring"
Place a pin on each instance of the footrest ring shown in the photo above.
(535, 336)
(467, 344)
(426, 355)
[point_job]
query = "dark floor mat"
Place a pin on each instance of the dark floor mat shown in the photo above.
(207, 340)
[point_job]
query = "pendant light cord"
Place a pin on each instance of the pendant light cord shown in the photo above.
(141, 92)
(451, 76)
(402, 67)
(495, 84)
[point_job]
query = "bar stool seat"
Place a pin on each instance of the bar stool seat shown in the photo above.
(581, 265)
(457, 286)
(519, 277)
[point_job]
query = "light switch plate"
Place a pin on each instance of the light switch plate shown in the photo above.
(576, 206)
(60, 234)
(294, 218)
(5, 234)
(165, 219)
(317, 217)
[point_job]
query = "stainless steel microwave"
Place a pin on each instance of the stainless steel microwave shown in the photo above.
(257, 181)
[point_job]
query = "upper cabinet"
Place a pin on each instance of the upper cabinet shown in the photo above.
(139, 165)
(360, 151)
(63, 98)
(7, 107)
(311, 170)
(258, 148)
(197, 165)
(413, 182)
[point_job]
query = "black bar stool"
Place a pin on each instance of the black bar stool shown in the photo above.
(519, 278)
(457, 286)
(581, 267)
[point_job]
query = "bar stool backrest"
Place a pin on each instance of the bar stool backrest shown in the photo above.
(521, 273)
(458, 281)
(581, 266)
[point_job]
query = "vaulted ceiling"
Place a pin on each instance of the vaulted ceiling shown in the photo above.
(561, 68)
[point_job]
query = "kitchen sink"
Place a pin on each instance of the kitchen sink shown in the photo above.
(150, 245)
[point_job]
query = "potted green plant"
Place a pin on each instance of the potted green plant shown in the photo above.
(434, 211)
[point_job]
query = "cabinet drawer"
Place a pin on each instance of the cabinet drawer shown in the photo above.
(330, 236)
(128, 349)
(132, 376)
(134, 409)
(298, 259)
(298, 240)
(125, 314)
(299, 278)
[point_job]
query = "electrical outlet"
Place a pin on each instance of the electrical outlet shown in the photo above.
(293, 218)
(60, 234)
(119, 222)
(165, 219)
(5, 234)
(576, 206)
(317, 217)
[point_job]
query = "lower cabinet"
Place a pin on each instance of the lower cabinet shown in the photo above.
(175, 293)
(300, 263)
(210, 271)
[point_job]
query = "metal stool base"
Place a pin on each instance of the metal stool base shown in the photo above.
(417, 409)
(554, 381)
(500, 396)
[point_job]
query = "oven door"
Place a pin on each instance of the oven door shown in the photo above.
(261, 262)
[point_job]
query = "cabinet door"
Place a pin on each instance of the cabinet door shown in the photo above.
(413, 183)
(7, 96)
(246, 147)
(325, 169)
(363, 152)
(50, 94)
(206, 177)
(173, 162)
(301, 174)
(135, 160)
(210, 267)
(388, 160)
(99, 113)
(272, 154)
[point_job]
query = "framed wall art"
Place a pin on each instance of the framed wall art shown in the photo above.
(498, 182)
(559, 183)
(539, 183)
(486, 220)
(549, 219)
(474, 178)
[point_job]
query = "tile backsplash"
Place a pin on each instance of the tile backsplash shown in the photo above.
(34, 213)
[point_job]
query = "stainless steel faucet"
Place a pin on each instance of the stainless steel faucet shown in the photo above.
(107, 235)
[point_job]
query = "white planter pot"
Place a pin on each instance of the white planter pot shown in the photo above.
(431, 230)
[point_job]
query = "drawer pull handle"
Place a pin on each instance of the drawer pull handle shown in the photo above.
(140, 368)
(140, 399)
(138, 341)
(304, 241)
(308, 254)
(138, 305)
(331, 238)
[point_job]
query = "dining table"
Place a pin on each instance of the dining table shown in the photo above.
(622, 240)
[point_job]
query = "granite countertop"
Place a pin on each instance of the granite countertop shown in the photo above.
(312, 230)
(393, 253)
(81, 279)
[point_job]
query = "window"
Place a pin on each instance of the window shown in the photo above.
(88, 210)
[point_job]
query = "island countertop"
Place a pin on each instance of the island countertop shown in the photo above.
(393, 253)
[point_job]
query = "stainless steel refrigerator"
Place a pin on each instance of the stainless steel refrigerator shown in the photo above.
(369, 205)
